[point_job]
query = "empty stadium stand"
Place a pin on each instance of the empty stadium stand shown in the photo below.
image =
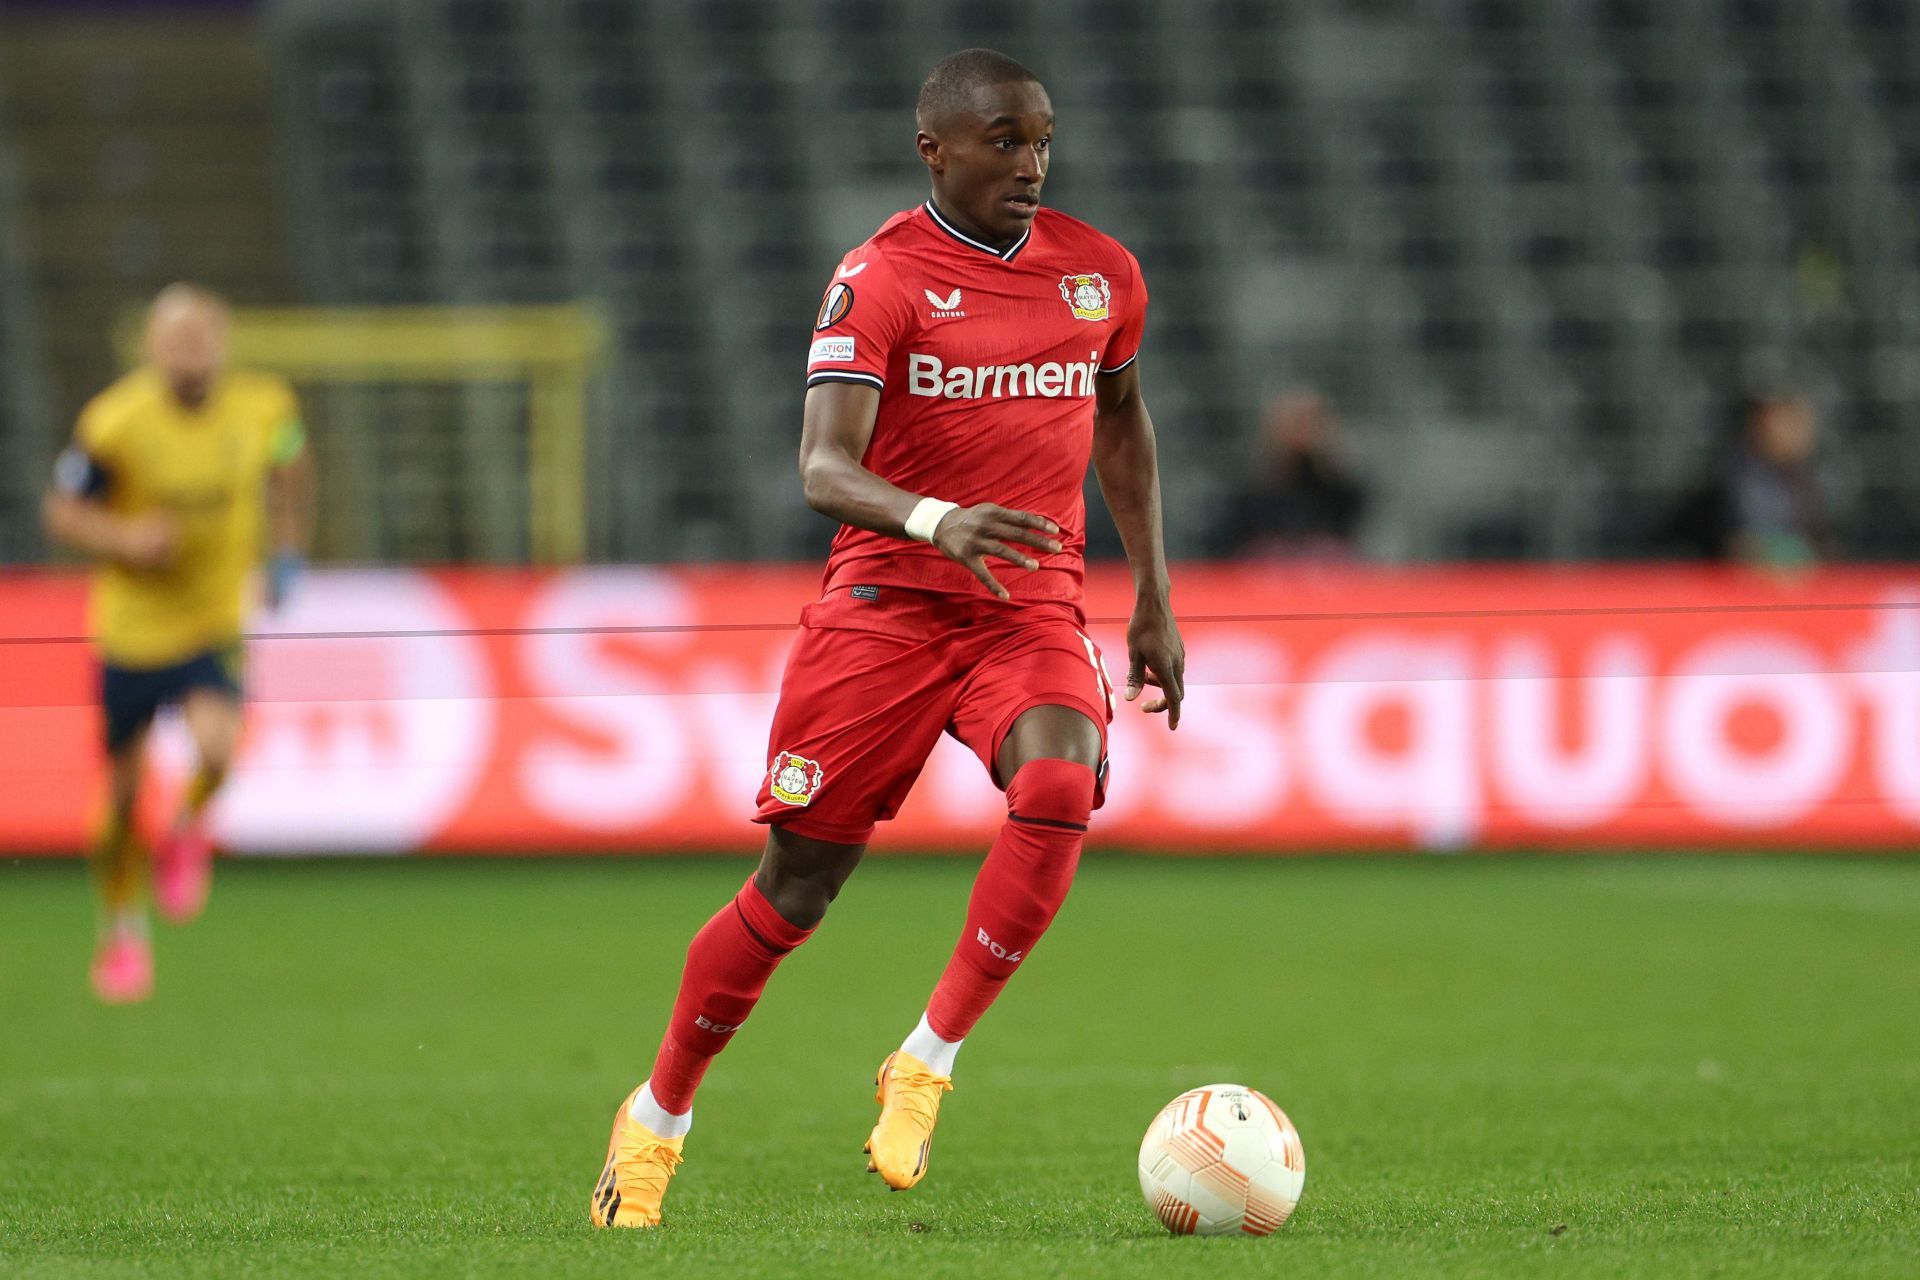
(23, 401)
(1529, 247)
(143, 149)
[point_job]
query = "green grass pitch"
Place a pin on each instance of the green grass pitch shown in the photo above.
(1559, 1067)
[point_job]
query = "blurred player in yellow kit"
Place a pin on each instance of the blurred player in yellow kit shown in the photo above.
(174, 473)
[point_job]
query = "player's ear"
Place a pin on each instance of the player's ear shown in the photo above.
(931, 152)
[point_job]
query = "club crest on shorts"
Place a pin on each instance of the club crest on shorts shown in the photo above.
(1088, 295)
(795, 779)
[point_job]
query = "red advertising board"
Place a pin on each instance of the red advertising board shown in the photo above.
(626, 709)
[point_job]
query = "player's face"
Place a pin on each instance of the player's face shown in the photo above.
(187, 343)
(989, 163)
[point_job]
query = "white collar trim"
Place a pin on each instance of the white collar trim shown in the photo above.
(1005, 255)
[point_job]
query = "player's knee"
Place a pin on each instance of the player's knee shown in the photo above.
(800, 877)
(801, 900)
(800, 905)
(1052, 792)
(215, 724)
(217, 748)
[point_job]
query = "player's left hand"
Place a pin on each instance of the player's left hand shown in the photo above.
(283, 571)
(1157, 658)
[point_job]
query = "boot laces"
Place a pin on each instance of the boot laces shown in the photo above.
(656, 1161)
(918, 1092)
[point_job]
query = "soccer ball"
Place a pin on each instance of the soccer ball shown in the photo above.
(1222, 1160)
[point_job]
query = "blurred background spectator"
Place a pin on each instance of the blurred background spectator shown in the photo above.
(1761, 502)
(1301, 503)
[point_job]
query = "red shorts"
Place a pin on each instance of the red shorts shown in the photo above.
(873, 681)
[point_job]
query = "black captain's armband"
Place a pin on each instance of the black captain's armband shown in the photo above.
(77, 475)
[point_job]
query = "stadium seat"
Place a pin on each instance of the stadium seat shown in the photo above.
(1555, 229)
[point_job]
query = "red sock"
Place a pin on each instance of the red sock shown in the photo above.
(1020, 886)
(728, 965)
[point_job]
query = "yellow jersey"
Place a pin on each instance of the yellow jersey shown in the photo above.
(207, 468)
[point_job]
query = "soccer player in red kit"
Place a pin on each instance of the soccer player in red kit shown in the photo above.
(967, 361)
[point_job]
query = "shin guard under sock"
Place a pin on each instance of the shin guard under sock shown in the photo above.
(728, 965)
(1020, 886)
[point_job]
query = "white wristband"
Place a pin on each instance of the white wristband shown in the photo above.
(926, 517)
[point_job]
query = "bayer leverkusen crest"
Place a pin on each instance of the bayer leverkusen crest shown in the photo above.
(1088, 295)
(794, 779)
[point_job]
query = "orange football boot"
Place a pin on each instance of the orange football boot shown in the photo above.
(909, 1097)
(634, 1182)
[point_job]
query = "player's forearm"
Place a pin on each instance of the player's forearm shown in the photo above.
(837, 486)
(290, 506)
(1127, 463)
(83, 527)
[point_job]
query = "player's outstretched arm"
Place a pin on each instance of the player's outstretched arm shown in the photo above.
(836, 429)
(1125, 460)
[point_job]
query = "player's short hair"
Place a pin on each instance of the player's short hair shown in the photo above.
(950, 88)
(184, 293)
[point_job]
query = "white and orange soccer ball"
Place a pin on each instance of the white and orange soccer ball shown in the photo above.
(1222, 1160)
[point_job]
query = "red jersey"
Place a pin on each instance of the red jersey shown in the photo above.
(986, 361)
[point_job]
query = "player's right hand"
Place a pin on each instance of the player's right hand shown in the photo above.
(149, 542)
(968, 535)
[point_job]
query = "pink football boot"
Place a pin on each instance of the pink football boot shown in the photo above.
(183, 871)
(123, 970)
